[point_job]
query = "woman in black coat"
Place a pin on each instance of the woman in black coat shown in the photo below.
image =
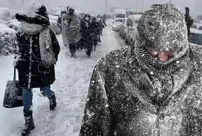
(86, 34)
(38, 52)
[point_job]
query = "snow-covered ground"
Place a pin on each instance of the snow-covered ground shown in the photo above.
(71, 87)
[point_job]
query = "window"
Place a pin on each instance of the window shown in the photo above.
(196, 38)
(120, 15)
(119, 20)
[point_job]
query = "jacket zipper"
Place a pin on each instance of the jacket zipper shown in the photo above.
(30, 63)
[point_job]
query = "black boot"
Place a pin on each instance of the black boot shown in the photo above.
(29, 124)
(53, 102)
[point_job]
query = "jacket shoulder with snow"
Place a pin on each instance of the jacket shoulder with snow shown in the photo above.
(117, 105)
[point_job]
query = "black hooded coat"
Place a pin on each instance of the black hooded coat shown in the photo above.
(31, 73)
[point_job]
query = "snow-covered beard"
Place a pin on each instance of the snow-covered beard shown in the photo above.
(31, 28)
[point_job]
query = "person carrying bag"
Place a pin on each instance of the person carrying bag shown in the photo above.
(13, 93)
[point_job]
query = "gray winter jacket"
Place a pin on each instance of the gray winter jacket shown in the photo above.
(70, 30)
(119, 103)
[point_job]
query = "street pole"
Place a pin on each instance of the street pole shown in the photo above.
(142, 5)
(106, 6)
(170, 2)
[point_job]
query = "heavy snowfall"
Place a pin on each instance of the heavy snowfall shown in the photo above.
(71, 88)
(124, 29)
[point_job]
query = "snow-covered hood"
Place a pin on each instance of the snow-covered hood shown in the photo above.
(156, 27)
(162, 28)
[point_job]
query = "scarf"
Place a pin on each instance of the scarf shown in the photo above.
(31, 28)
(163, 79)
(45, 44)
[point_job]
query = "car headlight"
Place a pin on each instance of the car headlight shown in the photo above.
(114, 25)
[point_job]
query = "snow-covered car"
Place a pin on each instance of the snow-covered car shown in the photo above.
(116, 24)
(131, 28)
(14, 24)
(195, 36)
(7, 39)
(123, 29)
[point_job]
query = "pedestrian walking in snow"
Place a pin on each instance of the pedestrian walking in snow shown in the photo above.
(71, 30)
(95, 31)
(37, 55)
(59, 21)
(151, 90)
(104, 19)
(86, 34)
(188, 19)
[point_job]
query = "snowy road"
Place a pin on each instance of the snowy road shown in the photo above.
(71, 86)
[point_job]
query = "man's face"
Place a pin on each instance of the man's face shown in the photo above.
(165, 33)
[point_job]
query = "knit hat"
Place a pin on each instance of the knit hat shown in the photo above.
(36, 13)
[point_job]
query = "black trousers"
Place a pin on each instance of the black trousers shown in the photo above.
(72, 48)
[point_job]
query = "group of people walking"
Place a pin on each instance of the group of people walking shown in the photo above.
(80, 33)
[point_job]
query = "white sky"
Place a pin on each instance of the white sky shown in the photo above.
(99, 5)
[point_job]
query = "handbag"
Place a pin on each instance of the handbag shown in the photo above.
(13, 93)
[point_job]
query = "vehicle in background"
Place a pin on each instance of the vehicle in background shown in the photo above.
(122, 31)
(119, 14)
(195, 36)
(199, 19)
(197, 26)
(131, 28)
(132, 12)
(116, 25)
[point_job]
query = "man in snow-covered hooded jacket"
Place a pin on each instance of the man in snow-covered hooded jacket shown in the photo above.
(153, 89)
(38, 52)
(71, 30)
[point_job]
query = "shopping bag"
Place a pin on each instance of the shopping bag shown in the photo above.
(13, 93)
